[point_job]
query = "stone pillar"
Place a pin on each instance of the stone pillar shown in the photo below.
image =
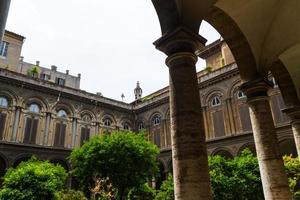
(274, 178)
(47, 125)
(4, 8)
(74, 132)
(294, 114)
(190, 165)
(16, 123)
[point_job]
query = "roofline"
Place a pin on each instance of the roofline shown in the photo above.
(14, 35)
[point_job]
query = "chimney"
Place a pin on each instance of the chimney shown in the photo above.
(53, 68)
(79, 75)
(37, 63)
(67, 72)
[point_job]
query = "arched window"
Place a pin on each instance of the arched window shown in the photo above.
(216, 101)
(240, 95)
(3, 102)
(107, 122)
(125, 126)
(86, 118)
(141, 126)
(156, 120)
(62, 114)
(34, 108)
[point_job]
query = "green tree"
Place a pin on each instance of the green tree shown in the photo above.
(33, 180)
(166, 191)
(237, 178)
(70, 195)
(292, 168)
(126, 159)
(144, 192)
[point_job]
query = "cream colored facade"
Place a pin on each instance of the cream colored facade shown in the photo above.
(227, 124)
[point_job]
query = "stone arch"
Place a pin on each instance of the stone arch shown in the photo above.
(65, 106)
(39, 100)
(285, 83)
(110, 116)
(10, 95)
(156, 113)
(167, 114)
(234, 88)
(62, 162)
(170, 165)
(236, 41)
(21, 158)
(212, 93)
(3, 165)
(224, 152)
(162, 174)
(287, 147)
(87, 112)
(250, 146)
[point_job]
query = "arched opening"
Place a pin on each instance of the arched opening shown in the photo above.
(21, 159)
(3, 167)
(288, 147)
(250, 146)
(161, 176)
(60, 162)
(224, 153)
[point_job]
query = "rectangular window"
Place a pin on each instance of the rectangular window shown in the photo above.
(85, 135)
(218, 121)
(2, 124)
(3, 48)
(45, 77)
(60, 81)
(30, 130)
(60, 133)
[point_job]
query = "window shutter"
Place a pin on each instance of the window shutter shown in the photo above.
(82, 137)
(245, 117)
(62, 135)
(2, 124)
(33, 131)
(87, 134)
(27, 130)
(219, 127)
(57, 134)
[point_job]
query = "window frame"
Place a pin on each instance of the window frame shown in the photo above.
(5, 100)
(4, 49)
(32, 108)
(216, 101)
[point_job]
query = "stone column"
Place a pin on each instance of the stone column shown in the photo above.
(16, 123)
(294, 114)
(47, 125)
(4, 8)
(74, 132)
(274, 178)
(190, 165)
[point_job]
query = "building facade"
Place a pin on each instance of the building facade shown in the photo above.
(43, 112)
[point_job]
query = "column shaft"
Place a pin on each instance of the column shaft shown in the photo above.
(47, 125)
(190, 164)
(16, 124)
(294, 114)
(274, 178)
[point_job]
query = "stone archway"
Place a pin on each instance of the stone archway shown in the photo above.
(288, 147)
(223, 152)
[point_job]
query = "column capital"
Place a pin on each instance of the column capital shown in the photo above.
(181, 39)
(257, 88)
(294, 113)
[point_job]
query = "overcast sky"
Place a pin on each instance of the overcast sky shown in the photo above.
(108, 41)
